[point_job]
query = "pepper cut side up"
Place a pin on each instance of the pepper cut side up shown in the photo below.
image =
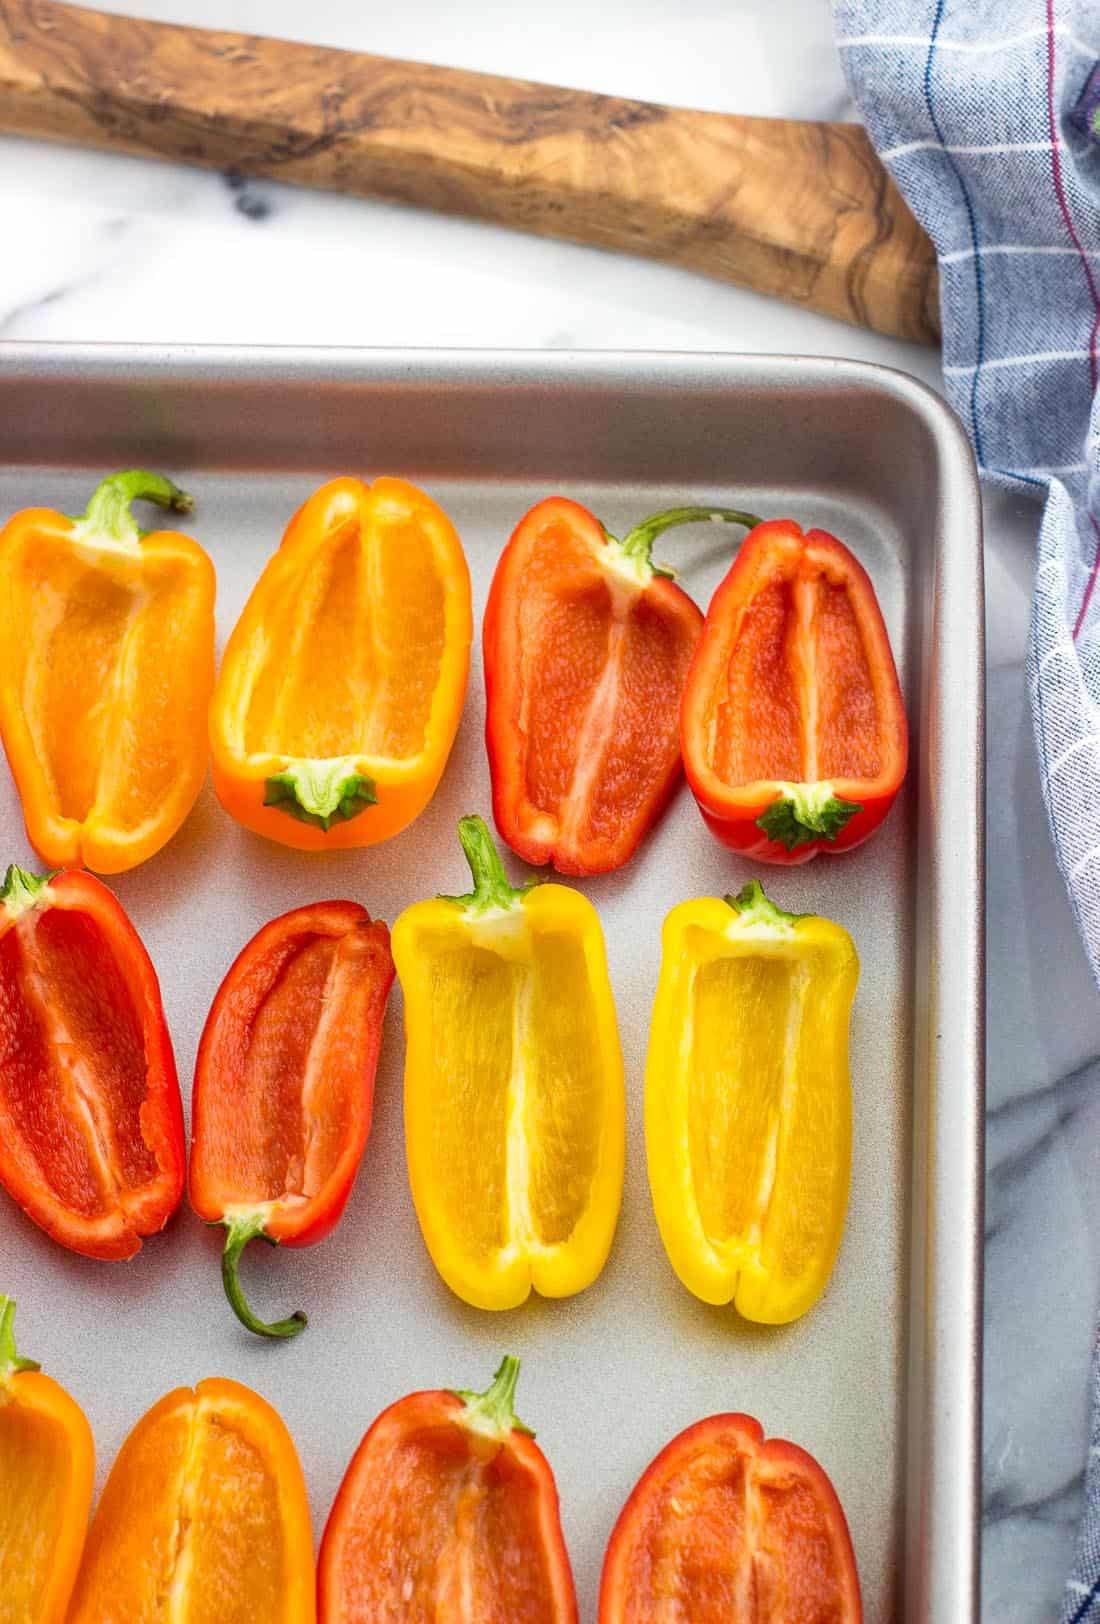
(725, 1528)
(284, 1083)
(793, 728)
(448, 1510)
(203, 1518)
(344, 679)
(91, 1125)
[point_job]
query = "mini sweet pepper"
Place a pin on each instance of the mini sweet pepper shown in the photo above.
(792, 726)
(343, 681)
(514, 1099)
(748, 1101)
(106, 669)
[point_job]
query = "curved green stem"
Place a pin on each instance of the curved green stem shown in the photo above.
(492, 887)
(492, 1412)
(754, 908)
(240, 1230)
(108, 514)
(10, 1362)
(638, 545)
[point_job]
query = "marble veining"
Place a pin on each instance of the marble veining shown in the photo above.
(113, 248)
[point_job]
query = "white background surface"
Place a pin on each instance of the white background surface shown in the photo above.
(109, 248)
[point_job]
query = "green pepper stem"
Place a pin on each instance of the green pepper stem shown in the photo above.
(638, 545)
(240, 1230)
(753, 907)
(492, 887)
(10, 1362)
(22, 890)
(109, 511)
(493, 1412)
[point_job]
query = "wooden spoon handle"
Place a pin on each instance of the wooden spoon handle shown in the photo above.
(801, 210)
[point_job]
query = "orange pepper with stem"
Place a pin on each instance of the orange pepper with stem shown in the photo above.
(47, 1464)
(203, 1519)
(343, 682)
(106, 670)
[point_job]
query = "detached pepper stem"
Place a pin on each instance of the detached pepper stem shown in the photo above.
(10, 1362)
(239, 1231)
(492, 1412)
(638, 545)
(492, 887)
(109, 511)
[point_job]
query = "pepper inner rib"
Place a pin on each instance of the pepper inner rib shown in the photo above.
(798, 701)
(72, 1062)
(370, 611)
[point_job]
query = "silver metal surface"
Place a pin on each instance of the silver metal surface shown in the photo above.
(882, 1380)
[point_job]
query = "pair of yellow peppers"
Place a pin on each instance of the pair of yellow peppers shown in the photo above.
(515, 1105)
(108, 707)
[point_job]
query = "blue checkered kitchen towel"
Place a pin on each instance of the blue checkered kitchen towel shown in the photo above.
(987, 112)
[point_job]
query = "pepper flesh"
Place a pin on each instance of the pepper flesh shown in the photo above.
(203, 1519)
(447, 1511)
(514, 1097)
(342, 684)
(91, 1124)
(47, 1466)
(793, 728)
(284, 1083)
(723, 1528)
(106, 671)
(748, 1101)
(587, 646)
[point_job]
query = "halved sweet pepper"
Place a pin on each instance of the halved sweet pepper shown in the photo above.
(91, 1125)
(342, 684)
(748, 1101)
(448, 1511)
(587, 645)
(47, 1466)
(793, 728)
(203, 1518)
(284, 1084)
(514, 1100)
(106, 670)
(725, 1528)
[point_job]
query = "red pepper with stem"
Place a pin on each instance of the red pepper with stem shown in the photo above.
(284, 1085)
(91, 1125)
(448, 1511)
(723, 1528)
(793, 728)
(587, 644)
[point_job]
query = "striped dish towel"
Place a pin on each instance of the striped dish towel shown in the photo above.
(987, 113)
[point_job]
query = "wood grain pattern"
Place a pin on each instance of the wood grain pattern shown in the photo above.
(801, 210)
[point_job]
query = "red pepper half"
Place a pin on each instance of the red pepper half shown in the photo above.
(448, 1510)
(723, 1528)
(91, 1126)
(284, 1084)
(587, 645)
(793, 727)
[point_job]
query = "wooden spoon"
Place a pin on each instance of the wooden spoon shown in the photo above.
(801, 210)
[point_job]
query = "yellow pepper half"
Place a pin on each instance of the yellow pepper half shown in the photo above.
(514, 1100)
(748, 1101)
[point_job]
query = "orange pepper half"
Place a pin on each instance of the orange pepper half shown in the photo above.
(203, 1520)
(343, 682)
(106, 669)
(47, 1463)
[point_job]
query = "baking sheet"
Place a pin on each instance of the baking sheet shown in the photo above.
(880, 1381)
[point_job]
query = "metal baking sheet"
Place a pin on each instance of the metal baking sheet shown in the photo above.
(882, 1380)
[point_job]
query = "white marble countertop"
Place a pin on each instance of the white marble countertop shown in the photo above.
(111, 248)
